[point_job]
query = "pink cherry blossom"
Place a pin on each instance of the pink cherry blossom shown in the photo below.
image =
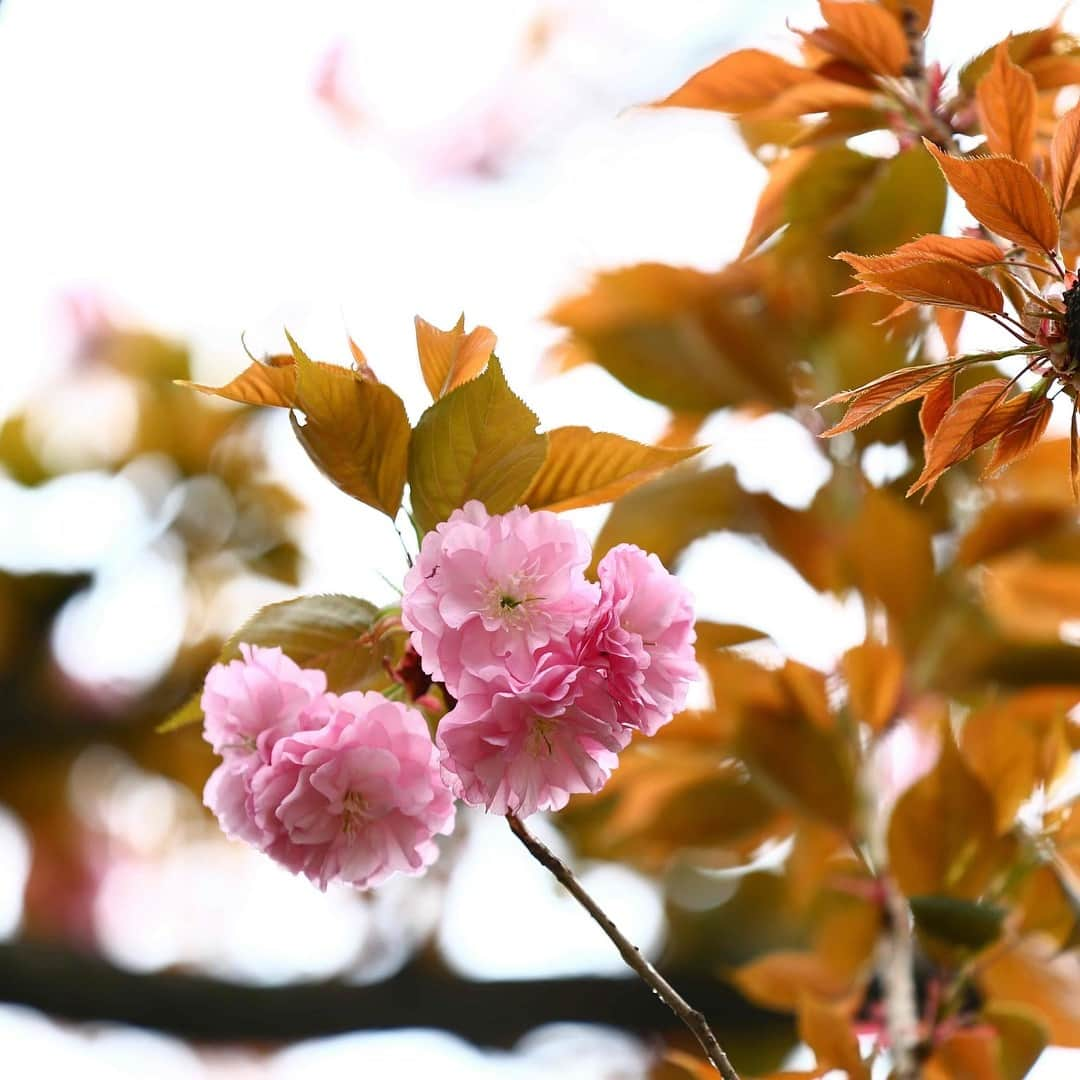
(248, 704)
(489, 592)
(356, 799)
(527, 746)
(641, 637)
(255, 699)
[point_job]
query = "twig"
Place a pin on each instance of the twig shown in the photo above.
(693, 1019)
(896, 966)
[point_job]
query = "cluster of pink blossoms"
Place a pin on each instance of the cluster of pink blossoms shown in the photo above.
(337, 787)
(551, 675)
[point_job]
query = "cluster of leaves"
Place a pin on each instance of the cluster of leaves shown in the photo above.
(932, 768)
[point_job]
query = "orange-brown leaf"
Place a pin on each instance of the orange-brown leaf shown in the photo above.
(257, 384)
(817, 96)
(931, 248)
(743, 80)
(1054, 71)
(949, 321)
(934, 407)
(871, 35)
(946, 284)
(584, 468)
(827, 1029)
(770, 212)
(872, 400)
(973, 419)
(1018, 440)
(1065, 158)
(875, 677)
(1004, 195)
(449, 358)
(1007, 102)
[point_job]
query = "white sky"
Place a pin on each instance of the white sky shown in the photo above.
(173, 158)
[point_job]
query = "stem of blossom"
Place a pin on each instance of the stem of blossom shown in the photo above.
(693, 1019)
(896, 963)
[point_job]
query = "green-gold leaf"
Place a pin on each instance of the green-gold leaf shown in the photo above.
(330, 632)
(477, 442)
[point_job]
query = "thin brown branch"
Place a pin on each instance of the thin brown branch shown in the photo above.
(690, 1016)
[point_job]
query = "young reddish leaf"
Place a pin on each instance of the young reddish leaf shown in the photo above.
(935, 405)
(946, 284)
(1018, 440)
(920, 9)
(478, 442)
(933, 248)
(1004, 195)
(1007, 102)
(584, 468)
(355, 430)
(871, 35)
(872, 400)
(741, 81)
(949, 322)
(905, 307)
(449, 358)
(973, 419)
(1065, 158)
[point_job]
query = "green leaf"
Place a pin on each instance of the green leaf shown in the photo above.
(971, 923)
(477, 442)
(330, 632)
(355, 430)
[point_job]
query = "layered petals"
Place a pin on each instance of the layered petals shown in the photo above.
(488, 593)
(525, 746)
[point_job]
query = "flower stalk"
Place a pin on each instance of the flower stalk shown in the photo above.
(694, 1020)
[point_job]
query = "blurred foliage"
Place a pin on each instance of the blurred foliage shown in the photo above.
(200, 475)
(935, 764)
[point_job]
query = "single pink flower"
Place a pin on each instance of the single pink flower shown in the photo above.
(248, 704)
(641, 638)
(357, 799)
(487, 592)
(253, 700)
(527, 746)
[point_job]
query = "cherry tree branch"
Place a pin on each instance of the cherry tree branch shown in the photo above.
(694, 1020)
(896, 966)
